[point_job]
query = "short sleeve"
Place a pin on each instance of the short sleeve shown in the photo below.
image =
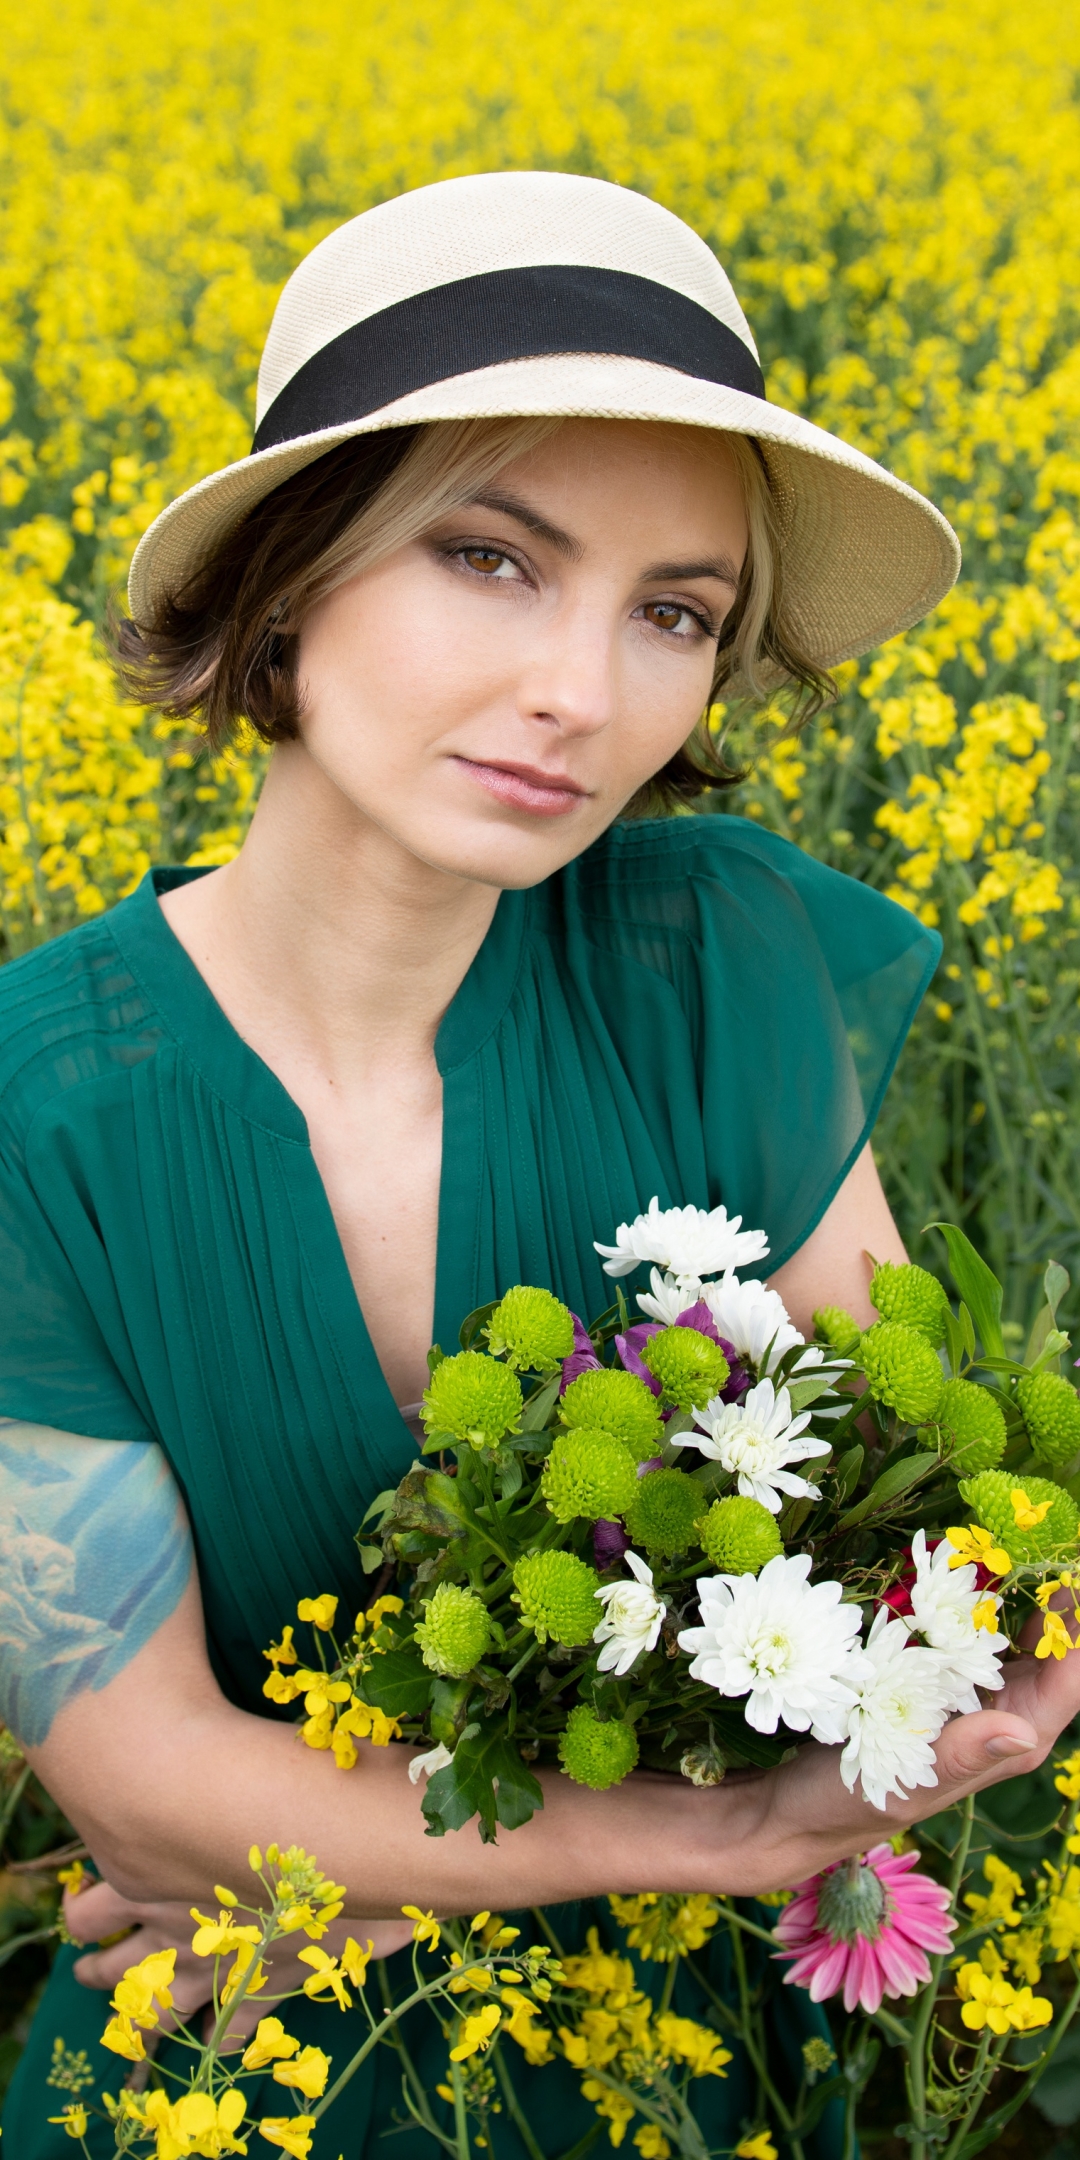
(56, 1366)
(799, 986)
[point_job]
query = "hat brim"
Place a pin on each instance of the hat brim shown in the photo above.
(863, 555)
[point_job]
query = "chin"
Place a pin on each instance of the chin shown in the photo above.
(497, 853)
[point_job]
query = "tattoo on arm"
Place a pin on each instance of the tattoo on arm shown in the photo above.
(95, 1553)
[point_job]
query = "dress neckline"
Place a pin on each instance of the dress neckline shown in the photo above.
(184, 1000)
(207, 1039)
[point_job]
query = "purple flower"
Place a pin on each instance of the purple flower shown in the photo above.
(582, 1358)
(610, 1542)
(630, 1347)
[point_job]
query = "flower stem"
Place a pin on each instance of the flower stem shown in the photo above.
(513, 2105)
(461, 2120)
(921, 2024)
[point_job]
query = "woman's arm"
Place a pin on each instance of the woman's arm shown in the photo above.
(169, 1783)
(835, 1264)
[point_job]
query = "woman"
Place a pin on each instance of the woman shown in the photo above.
(516, 510)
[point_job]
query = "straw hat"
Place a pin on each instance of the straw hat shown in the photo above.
(518, 293)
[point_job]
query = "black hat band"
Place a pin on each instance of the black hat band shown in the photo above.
(477, 322)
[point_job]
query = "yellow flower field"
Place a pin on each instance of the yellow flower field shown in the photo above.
(897, 194)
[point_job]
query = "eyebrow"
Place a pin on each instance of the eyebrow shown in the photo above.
(512, 506)
(720, 567)
(716, 566)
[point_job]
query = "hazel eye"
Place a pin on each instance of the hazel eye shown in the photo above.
(677, 621)
(488, 562)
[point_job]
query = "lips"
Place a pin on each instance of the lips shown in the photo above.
(526, 787)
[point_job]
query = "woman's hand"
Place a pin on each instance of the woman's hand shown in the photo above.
(100, 1912)
(801, 1817)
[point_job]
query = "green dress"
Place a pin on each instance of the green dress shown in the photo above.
(694, 1009)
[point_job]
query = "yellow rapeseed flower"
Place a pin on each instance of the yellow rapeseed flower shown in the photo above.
(476, 2032)
(306, 2072)
(271, 2043)
(970, 1542)
(292, 2133)
(426, 1928)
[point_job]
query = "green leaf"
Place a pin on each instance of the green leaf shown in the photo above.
(541, 1402)
(848, 1472)
(1055, 1283)
(474, 1322)
(510, 1473)
(893, 1481)
(397, 1682)
(487, 1778)
(977, 1284)
(426, 1500)
(380, 1506)
(371, 1557)
(967, 1329)
(954, 1340)
(805, 1392)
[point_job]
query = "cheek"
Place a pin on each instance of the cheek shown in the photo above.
(662, 700)
(388, 664)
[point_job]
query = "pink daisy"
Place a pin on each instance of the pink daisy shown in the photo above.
(864, 1925)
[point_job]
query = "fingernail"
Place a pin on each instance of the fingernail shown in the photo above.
(1005, 1744)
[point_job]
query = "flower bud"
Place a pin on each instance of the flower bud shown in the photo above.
(664, 1512)
(739, 1536)
(471, 1399)
(557, 1595)
(911, 1295)
(973, 1418)
(618, 1403)
(902, 1370)
(531, 1330)
(594, 1753)
(454, 1632)
(1051, 1410)
(589, 1474)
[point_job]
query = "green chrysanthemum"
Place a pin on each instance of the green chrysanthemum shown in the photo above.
(973, 1418)
(531, 1330)
(739, 1535)
(690, 1367)
(902, 1370)
(597, 1754)
(1051, 1410)
(472, 1398)
(664, 1512)
(454, 1632)
(911, 1295)
(989, 1495)
(836, 1327)
(557, 1595)
(617, 1402)
(590, 1474)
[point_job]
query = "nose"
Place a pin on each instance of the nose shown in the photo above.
(569, 682)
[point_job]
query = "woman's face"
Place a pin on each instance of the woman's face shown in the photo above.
(493, 694)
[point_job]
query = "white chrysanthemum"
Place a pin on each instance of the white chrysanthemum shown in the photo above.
(781, 1641)
(756, 1440)
(669, 1298)
(632, 1617)
(901, 1707)
(942, 1602)
(750, 1317)
(687, 1241)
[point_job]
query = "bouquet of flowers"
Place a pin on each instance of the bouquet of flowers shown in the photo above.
(691, 1539)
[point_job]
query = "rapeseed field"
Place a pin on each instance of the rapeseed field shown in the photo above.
(896, 193)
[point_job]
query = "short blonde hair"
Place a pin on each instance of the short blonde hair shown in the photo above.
(224, 648)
